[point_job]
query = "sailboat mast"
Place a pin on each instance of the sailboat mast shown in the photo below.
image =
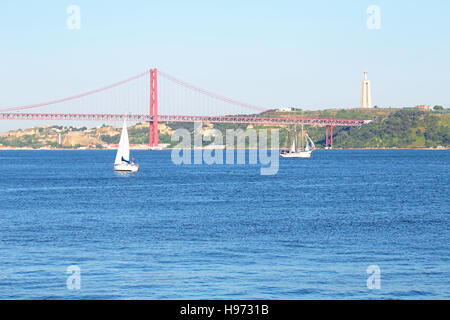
(286, 141)
(295, 137)
(302, 138)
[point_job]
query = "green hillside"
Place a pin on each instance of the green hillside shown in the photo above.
(390, 128)
(401, 129)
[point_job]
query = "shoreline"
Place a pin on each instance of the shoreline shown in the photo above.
(140, 149)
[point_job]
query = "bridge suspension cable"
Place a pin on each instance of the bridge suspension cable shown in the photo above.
(209, 93)
(78, 96)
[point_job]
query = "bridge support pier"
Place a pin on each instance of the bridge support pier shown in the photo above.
(153, 125)
(329, 136)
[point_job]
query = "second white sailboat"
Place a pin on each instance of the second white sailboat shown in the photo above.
(305, 152)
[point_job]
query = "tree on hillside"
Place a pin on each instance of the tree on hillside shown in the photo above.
(438, 108)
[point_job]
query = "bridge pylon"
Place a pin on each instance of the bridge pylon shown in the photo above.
(329, 135)
(153, 125)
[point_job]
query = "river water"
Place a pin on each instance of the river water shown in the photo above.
(224, 231)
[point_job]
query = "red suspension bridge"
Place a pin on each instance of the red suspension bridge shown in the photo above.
(146, 93)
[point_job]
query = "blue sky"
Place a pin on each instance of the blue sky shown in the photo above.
(309, 54)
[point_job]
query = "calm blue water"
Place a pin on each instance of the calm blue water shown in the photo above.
(225, 231)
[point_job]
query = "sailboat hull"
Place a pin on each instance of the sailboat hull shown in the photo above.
(126, 167)
(301, 154)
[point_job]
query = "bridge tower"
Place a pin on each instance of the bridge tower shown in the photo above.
(329, 136)
(153, 125)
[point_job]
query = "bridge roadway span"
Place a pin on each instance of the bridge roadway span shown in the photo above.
(178, 118)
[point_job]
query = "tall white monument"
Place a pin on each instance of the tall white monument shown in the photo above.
(366, 95)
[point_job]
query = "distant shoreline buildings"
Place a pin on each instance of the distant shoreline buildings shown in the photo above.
(424, 107)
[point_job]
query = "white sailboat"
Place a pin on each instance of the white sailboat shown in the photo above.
(302, 152)
(123, 162)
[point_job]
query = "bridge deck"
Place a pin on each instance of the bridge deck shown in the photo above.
(178, 118)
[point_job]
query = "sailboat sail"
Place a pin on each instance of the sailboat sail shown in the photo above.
(310, 140)
(123, 151)
(301, 139)
(294, 140)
